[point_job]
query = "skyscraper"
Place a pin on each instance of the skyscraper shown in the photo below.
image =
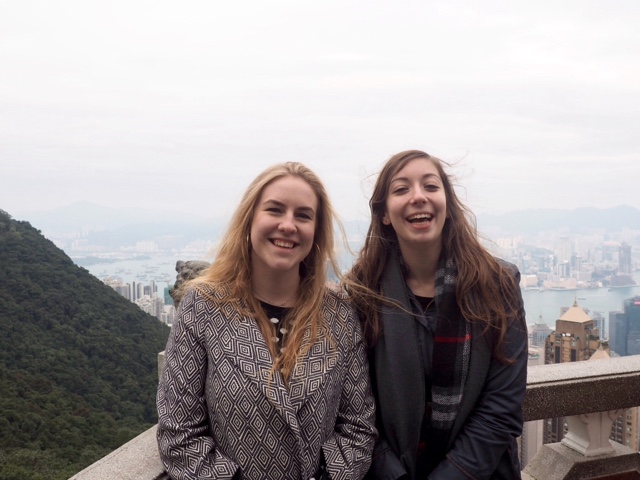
(632, 314)
(625, 262)
(617, 332)
(539, 333)
(575, 338)
(625, 328)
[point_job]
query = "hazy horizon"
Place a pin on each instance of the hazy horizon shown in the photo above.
(178, 107)
(81, 204)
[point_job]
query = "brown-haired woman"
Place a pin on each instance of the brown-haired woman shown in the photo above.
(266, 373)
(447, 332)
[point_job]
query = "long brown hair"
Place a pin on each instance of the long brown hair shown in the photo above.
(484, 291)
(232, 266)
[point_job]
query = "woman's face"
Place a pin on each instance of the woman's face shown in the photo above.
(283, 226)
(416, 205)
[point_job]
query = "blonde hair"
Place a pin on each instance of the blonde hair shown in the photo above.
(232, 266)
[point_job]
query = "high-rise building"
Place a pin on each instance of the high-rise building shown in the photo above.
(564, 249)
(539, 333)
(563, 269)
(575, 338)
(625, 328)
(632, 314)
(625, 428)
(624, 332)
(625, 262)
(598, 322)
(617, 332)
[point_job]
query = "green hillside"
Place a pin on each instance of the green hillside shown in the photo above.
(78, 362)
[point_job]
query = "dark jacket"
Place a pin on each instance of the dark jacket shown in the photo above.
(483, 439)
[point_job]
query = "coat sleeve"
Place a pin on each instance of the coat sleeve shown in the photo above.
(185, 444)
(385, 464)
(496, 419)
(348, 450)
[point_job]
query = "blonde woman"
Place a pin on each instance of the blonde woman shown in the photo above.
(266, 373)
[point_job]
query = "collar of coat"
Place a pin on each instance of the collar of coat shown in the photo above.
(239, 339)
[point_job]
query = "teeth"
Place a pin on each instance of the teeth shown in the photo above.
(283, 244)
(420, 216)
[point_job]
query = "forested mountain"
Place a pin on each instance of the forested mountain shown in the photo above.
(78, 362)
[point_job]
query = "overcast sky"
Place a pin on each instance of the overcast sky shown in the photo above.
(178, 105)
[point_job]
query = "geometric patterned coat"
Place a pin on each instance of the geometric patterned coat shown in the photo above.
(219, 412)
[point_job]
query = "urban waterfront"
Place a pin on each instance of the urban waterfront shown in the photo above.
(547, 303)
(142, 269)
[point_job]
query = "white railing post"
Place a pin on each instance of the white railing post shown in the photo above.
(589, 433)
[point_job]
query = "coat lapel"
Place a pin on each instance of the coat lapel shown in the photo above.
(243, 344)
(312, 370)
(398, 367)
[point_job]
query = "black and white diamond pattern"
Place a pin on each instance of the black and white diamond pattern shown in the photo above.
(220, 410)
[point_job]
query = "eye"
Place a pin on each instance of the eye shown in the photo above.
(304, 216)
(273, 210)
(432, 187)
(399, 190)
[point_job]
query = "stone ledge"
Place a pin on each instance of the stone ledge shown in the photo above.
(561, 389)
(137, 459)
(558, 462)
(565, 389)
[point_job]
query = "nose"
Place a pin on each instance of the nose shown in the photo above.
(418, 196)
(287, 224)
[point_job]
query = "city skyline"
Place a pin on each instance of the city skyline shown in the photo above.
(591, 263)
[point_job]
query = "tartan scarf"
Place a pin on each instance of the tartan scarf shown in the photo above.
(451, 349)
(451, 352)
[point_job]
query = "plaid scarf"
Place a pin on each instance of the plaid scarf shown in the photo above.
(451, 350)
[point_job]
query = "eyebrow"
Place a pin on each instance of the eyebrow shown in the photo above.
(426, 175)
(278, 203)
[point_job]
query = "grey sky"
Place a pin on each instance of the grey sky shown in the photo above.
(178, 105)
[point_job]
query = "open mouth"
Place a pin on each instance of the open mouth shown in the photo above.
(420, 218)
(283, 243)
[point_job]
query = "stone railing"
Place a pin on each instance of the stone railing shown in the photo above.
(560, 390)
(590, 394)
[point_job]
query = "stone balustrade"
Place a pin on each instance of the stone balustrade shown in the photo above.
(565, 389)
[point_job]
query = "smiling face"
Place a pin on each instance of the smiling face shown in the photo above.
(283, 226)
(416, 205)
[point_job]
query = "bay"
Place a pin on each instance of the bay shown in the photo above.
(546, 304)
(141, 269)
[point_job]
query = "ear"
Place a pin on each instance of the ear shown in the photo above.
(385, 220)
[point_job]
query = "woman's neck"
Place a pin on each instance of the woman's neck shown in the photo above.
(278, 290)
(422, 265)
